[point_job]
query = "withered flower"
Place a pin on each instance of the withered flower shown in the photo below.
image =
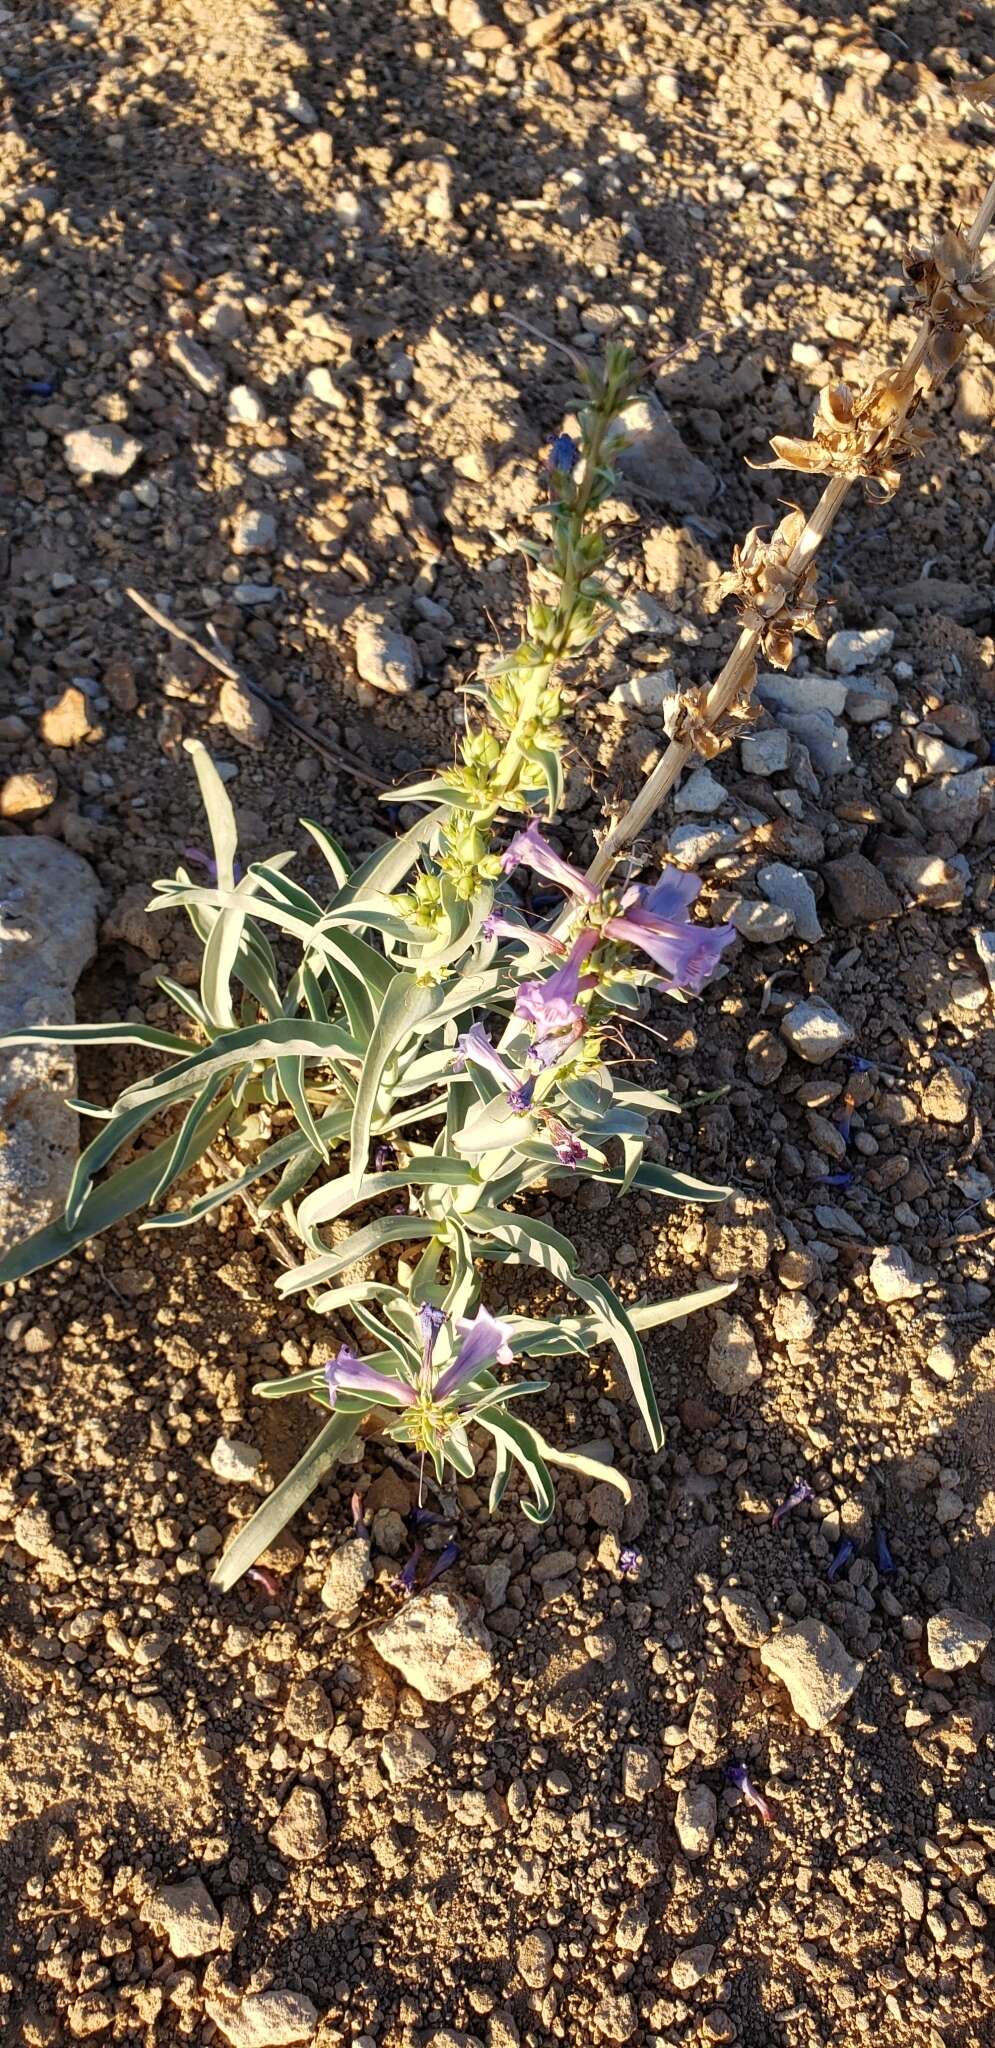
(858, 434)
(774, 601)
(708, 736)
(956, 292)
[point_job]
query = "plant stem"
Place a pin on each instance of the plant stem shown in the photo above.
(739, 669)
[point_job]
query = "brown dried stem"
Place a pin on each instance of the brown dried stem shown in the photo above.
(735, 681)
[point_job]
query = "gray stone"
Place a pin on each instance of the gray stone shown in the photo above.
(984, 946)
(929, 880)
(955, 1640)
(437, 1644)
(744, 1616)
(247, 717)
(694, 845)
(763, 924)
(819, 1673)
(320, 385)
(299, 108)
(275, 465)
(695, 1819)
(188, 1917)
(849, 650)
(100, 450)
(702, 794)
(815, 1031)
(954, 803)
(251, 594)
(197, 366)
(641, 1773)
(264, 2019)
(300, 1830)
(826, 742)
(246, 408)
(893, 1276)
(690, 1966)
(350, 1571)
(788, 888)
(858, 891)
(235, 1462)
(656, 691)
(406, 1753)
(386, 658)
(733, 1358)
(937, 757)
(869, 698)
(657, 462)
(48, 932)
(253, 531)
(765, 753)
(799, 694)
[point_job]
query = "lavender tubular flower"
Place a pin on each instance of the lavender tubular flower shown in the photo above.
(529, 849)
(738, 1775)
(442, 1564)
(845, 1551)
(551, 1006)
(497, 925)
(347, 1374)
(801, 1491)
(882, 1552)
(656, 921)
(564, 454)
(385, 1159)
(568, 1148)
(475, 1046)
(485, 1342)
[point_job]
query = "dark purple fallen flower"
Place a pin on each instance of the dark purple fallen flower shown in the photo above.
(860, 1066)
(358, 1518)
(442, 1563)
(833, 1180)
(843, 1127)
(423, 1518)
(885, 1561)
(630, 1562)
(845, 1551)
(37, 387)
(268, 1580)
(405, 1580)
(385, 1159)
(199, 859)
(801, 1491)
(738, 1775)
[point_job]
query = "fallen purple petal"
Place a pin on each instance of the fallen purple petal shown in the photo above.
(737, 1774)
(358, 1517)
(800, 1492)
(268, 1580)
(832, 1180)
(385, 1159)
(882, 1552)
(630, 1562)
(442, 1563)
(845, 1551)
(405, 1580)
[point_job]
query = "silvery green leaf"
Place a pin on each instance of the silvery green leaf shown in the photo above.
(405, 1005)
(589, 1468)
(459, 1453)
(371, 911)
(98, 1034)
(185, 1148)
(435, 791)
(186, 1001)
(372, 1238)
(338, 1196)
(105, 1205)
(550, 767)
(648, 1315)
(265, 1525)
(387, 867)
(290, 1152)
(492, 1126)
(117, 1131)
(290, 1073)
(665, 1180)
(335, 855)
(310, 1382)
(220, 815)
(519, 1441)
(335, 1298)
(271, 1040)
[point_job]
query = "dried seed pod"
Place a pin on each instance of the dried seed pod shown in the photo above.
(774, 600)
(861, 434)
(955, 291)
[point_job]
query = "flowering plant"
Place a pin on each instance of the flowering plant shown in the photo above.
(438, 1049)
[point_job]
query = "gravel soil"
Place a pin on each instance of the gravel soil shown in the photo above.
(288, 297)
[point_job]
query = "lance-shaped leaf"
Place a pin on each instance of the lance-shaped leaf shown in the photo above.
(290, 1037)
(98, 1034)
(220, 816)
(265, 1525)
(372, 1238)
(337, 1196)
(405, 1005)
(518, 1441)
(665, 1180)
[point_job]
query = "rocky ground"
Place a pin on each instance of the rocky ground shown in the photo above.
(284, 285)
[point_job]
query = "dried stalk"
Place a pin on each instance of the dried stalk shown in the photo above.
(735, 680)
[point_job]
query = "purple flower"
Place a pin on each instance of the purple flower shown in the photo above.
(497, 925)
(359, 1527)
(801, 1491)
(630, 1562)
(569, 1150)
(430, 1322)
(347, 1374)
(424, 1518)
(197, 858)
(551, 1005)
(564, 453)
(882, 1552)
(442, 1563)
(474, 1045)
(738, 1774)
(861, 1066)
(832, 1180)
(844, 1552)
(656, 920)
(843, 1126)
(261, 1576)
(385, 1159)
(530, 849)
(485, 1342)
(405, 1580)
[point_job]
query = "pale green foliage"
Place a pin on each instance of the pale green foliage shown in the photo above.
(359, 1048)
